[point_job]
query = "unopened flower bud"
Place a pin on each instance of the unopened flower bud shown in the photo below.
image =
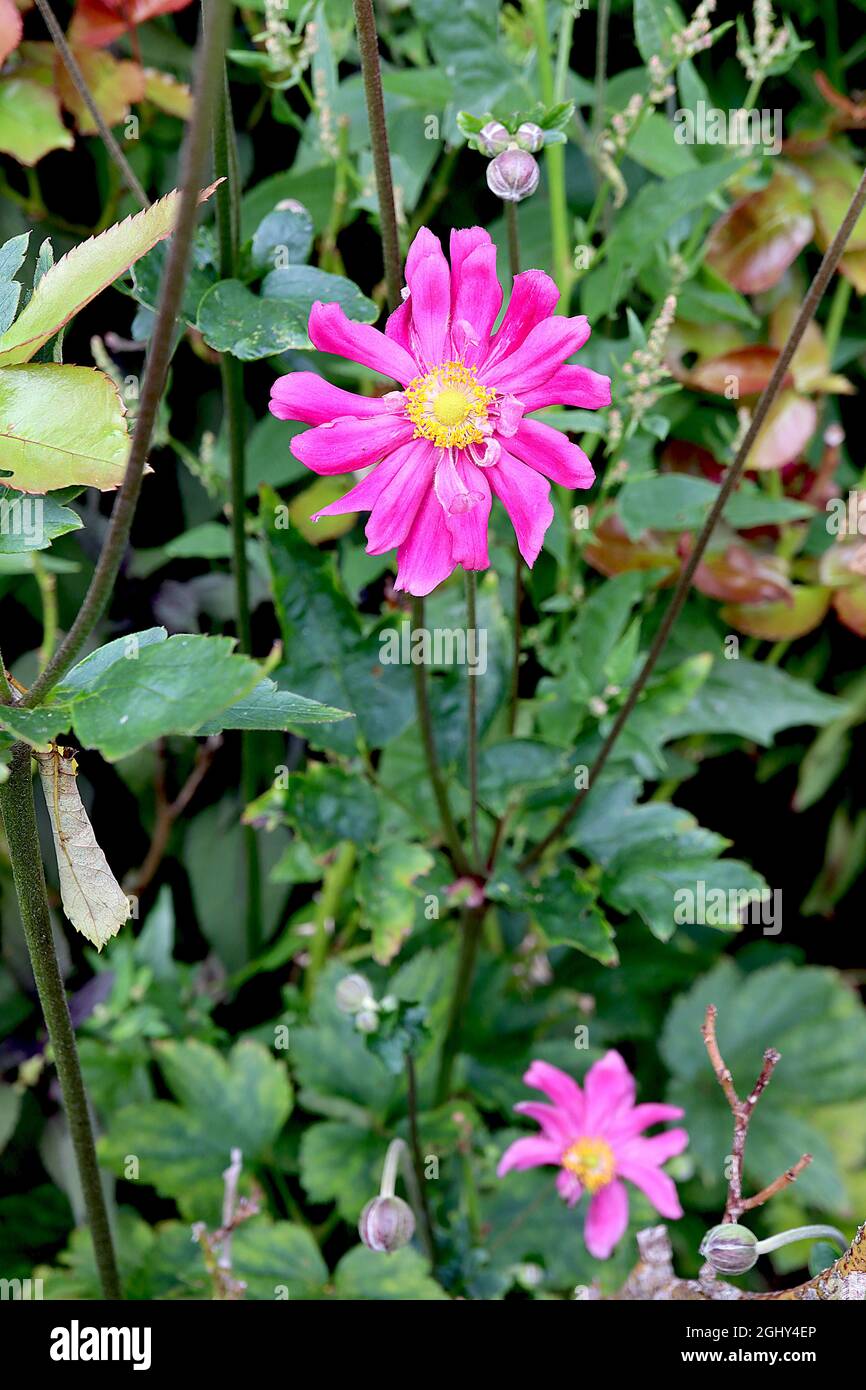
(351, 992)
(366, 1020)
(530, 136)
(730, 1249)
(513, 175)
(492, 138)
(386, 1224)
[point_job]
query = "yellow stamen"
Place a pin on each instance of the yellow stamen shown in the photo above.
(592, 1161)
(448, 406)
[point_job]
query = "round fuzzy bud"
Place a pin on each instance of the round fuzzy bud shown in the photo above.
(366, 1020)
(512, 176)
(530, 136)
(730, 1249)
(492, 138)
(386, 1224)
(352, 992)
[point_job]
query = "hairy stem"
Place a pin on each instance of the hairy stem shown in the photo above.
(209, 76)
(19, 819)
(552, 88)
(473, 920)
(434, 771)
(79, 82)
(368, 43)
(828, 265)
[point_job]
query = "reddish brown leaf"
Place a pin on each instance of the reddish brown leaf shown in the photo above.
(777, 622)
(114, 83)
(612, 552)
(11, 28)
(756, 240)
(97, 23)
(791, 421)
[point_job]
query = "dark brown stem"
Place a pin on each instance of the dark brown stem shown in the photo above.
(418, 1158)
(194, 164)
(368, 43)
(434, 772)
(470, 938)
(79, 82)
(828, 265)
(167, 812)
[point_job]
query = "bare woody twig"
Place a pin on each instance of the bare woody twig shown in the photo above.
(167, 812)
(741, 1110)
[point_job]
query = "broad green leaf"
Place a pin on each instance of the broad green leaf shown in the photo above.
(755, 701)
(278, 1261)
(655, 21)
(30, 121)
(231, 318)
(12, 254)
(221, 1102)
(171, 687)
(283, 237)
(81, 274)
(10, 1108)
(403, 1275)
(518, 765)
(565, 909)
(678, 502)
(60, 426)
(388, 895)
(32, 523)
(266, 707)
(299, 286)
(343, 1164)
(327, 805)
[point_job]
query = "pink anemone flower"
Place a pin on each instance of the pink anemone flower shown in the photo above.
(595, 1137)
(458, 429)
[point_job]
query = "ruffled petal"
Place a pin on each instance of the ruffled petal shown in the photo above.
(609, 1088)
(554, 1120)
(398, 326)
(542, 352)
(363, 496)
(606, 1220)
(341, 446)
(430, 300)
(331, 331)
(527, 1153)
(397, 505)
(424, 559)
(464, 493)
(424, 243)
(572, 385)
(568, 1186)
(550, 452)
(476, 302)
(653, 1183)
(534, 297)
(561, 1088)
(641, 1117)
(307, 397)
(525, 495)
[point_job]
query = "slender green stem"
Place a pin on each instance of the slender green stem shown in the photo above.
(365, 23)
(513, 232)
(19, 819)
(828, 265)
(337, 875)
(836, 316)
(469, 941)
(434, 772)
(552, 86)
(418, 1158)
(194, 162)
(472, 718)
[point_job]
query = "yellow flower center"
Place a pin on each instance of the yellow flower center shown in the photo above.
(449, 407)
(592, 1161)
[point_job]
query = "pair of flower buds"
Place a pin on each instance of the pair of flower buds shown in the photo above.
(512, 173)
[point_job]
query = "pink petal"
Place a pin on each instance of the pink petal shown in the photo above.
(606, 1220)
(307, 397)
(397, 506)
(398, 326)
(609, 1087)
(654, 1184)
(550, 452)
(533, 299)
(653, 1151)
(430, 300)
(573, 386)
(525, 496)
(424, 243)
(527, 1153)
(341, 446)
(331, 331)
(541, 353)
(477, 300)
(364, 494)
(464, 493)
(568, 1186)
(464, 240)
(561, 1088)
(554, 1120)
(424, 559)
(641, 1117)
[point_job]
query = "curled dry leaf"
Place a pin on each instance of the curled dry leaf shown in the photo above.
(93, 900)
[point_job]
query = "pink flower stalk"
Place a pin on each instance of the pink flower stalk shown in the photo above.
(594, 1136)
(458, 429)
